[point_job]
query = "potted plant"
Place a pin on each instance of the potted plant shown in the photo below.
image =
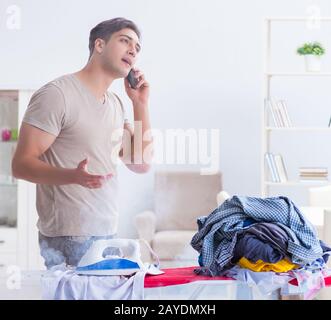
(312, 51)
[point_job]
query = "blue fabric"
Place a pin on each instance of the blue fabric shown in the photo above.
(200, 260)
(217, 233)
(262, 241)
(326, 251)
(248, 222)
(320, 263)
(254, 249)
(67, 249)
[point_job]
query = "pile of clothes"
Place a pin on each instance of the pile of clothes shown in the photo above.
(260, 235)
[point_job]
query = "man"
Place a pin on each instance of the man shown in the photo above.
(68, 144)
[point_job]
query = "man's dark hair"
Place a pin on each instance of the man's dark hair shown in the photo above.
(105, 29)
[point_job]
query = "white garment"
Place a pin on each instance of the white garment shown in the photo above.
(265, 282)
(61, 283)
(83, 127)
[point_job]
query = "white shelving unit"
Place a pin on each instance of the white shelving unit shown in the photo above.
(268, 130)
(18, 242)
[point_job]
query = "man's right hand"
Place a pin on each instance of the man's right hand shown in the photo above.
(85, 179)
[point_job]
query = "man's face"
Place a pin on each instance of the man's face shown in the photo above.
(120, 53)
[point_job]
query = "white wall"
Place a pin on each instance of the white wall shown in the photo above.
(204, 60)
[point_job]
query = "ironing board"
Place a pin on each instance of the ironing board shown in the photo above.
(183, 283)
(176, 276)
(174, 284)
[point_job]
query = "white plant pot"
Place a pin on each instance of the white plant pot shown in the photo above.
(313, 63)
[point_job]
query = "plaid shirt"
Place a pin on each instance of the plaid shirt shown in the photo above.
(217, 232)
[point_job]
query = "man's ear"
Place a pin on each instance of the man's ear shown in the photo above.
(99, 45)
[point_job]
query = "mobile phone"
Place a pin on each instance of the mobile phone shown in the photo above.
(133, 81)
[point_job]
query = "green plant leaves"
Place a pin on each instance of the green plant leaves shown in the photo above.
(311, 48)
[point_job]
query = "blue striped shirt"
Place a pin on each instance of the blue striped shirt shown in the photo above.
(217, 232)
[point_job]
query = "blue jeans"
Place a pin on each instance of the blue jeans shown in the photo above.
(67, 249)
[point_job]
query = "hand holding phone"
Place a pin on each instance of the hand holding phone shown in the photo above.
(133, 81)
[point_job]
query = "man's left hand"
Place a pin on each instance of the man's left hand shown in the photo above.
(140, 95)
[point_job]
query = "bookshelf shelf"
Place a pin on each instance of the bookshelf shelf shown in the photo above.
(275, 119)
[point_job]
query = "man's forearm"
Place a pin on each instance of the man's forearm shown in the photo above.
(37, 171)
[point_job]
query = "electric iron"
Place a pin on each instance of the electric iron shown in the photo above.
(127, 263)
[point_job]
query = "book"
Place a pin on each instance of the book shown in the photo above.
(314, 178)
(271, 171)
(313, 170)
(285, 111)
(313, 175)
(281, 168)
(282, 114)
(277, 112)
(273, 113)
(272, 167)
(275, 167)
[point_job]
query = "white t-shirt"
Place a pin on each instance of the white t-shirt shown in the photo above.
(84, 127)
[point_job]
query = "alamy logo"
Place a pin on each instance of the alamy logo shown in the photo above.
(314, 17)
(13, 17)
(14, 277)
(171, 147)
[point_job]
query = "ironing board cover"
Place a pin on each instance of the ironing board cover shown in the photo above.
(175, 276)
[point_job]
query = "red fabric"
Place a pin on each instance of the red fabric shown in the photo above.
(326, 279)
(173, 276)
